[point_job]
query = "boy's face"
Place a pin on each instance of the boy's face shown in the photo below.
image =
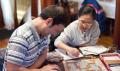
(53, 30)
(48, 28)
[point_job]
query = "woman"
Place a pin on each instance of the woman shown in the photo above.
(82, 32)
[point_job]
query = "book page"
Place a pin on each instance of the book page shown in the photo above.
(93, 50)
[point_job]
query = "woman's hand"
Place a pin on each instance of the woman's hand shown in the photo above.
(73, 51)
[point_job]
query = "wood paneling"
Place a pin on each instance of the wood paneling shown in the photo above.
(45, 3)
(117, 25)
(65, 5)
(34, 3)
(1, 17)
(15, 14)
(34, 8)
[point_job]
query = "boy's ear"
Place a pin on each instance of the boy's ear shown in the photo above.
(49, 21)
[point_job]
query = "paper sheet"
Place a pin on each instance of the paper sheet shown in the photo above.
(93, 50)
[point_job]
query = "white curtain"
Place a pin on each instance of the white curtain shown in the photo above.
(28, 16)
(39, 7)
(7, 14)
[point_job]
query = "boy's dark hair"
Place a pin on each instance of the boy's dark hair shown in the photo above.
(86, 9)
(55, 12)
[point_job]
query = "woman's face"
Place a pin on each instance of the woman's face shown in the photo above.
(86, 22)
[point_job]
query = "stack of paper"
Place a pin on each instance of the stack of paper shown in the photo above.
(116, 62)
(95, 50)
(111, 61)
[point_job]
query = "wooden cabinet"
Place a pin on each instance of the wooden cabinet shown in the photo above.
(1, 17)
(117, 25)
(45, 3)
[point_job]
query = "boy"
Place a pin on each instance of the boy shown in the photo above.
(27, 48)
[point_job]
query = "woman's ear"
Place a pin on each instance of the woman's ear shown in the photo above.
(49, 21)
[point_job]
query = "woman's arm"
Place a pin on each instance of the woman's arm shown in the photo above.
(71, 50)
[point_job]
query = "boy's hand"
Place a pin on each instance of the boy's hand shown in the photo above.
(50, 68)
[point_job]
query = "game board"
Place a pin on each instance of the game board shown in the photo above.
(84, 65)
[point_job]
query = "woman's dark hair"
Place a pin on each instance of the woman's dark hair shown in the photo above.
(55, 12)
(86, 9)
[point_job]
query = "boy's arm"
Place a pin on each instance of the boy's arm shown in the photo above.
(34, 67)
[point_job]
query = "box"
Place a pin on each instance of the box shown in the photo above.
(111, 61)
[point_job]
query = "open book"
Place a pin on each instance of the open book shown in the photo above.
(65, 56)
(95, 50)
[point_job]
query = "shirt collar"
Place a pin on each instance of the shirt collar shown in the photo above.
(33, 30)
